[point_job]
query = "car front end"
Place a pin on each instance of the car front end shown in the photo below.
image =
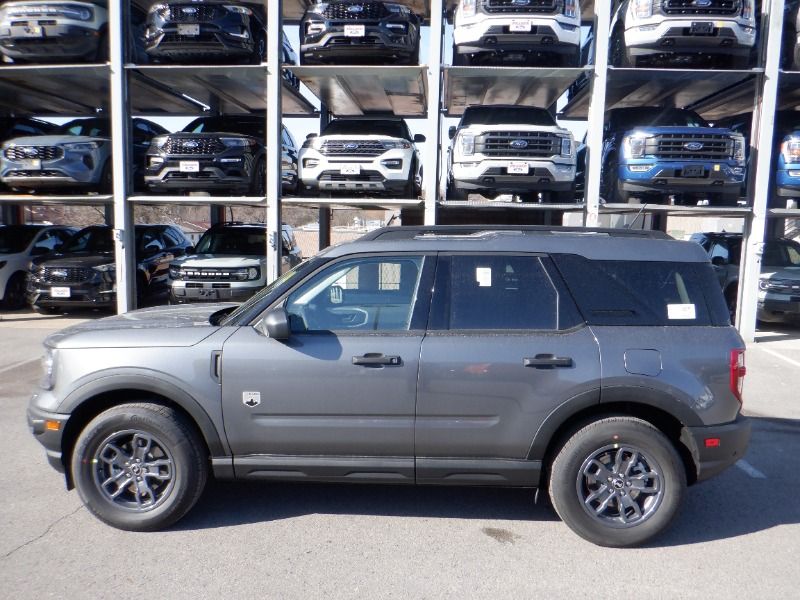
(83, 282)
(787, 175)
(779, 294)
(210, 278)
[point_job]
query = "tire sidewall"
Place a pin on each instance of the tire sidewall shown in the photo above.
(586, 441)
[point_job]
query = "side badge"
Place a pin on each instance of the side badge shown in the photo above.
(251, 399)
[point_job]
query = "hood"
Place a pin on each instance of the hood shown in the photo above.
(220, 261)
(75, 260)
(53, 140)
(790, 273)
(160, 326)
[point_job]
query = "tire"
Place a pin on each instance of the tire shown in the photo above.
(410, 188)
(612, 188)
(14, 296)
(460, 60)
(259, 184)
(619, 53)
(259, 51)
(107, 179)
(101, 54)
(454, 193)
(114, 445)
(617, 455)
(573, 60)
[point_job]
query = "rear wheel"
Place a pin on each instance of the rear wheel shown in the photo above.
(14, 297)
(259, 184)
(617, 482)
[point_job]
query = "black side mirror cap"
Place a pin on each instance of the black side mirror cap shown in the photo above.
(719, 261)
(276, 324)
(451, 132)
(419, 138)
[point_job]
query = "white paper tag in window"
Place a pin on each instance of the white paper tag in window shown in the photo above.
(683, 312)
(484, 276)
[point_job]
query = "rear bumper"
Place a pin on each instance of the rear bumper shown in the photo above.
(670, 34)
(710, 461)
(661, 176)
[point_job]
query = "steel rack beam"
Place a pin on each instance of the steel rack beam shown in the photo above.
(430, 170)
(88, 200)
(70, 90)
(358, 203)
(273, 88)
(522, 206)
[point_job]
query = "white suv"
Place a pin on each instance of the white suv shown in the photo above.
(499, 31)
(229, 263)
(502, 149)
(363, 155)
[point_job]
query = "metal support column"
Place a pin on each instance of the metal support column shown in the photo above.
(597, 110)
(124, 245)
(273, 142)
(430, 171)
(324, 221)
(755, 226)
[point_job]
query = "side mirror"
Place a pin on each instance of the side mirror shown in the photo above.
(419, 138)
(188, 250)
(451, 133)
(276, 324)
(719, 261)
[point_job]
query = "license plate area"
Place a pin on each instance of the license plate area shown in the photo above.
(60, 292)
(190, 29)
(520, 25)
(350, 170)
(354, 31)
(208, 294)
(701, 28)
(517, 168)
(189, 166)
(33, 31)
(32, 164)
(693, 171)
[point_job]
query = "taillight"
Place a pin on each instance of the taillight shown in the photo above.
(737, 371)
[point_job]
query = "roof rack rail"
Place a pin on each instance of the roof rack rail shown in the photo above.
(413, 231)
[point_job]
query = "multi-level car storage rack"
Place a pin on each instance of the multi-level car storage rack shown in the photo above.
(433, 90)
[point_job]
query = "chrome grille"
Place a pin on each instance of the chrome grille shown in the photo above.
(34, 152)
(691, 7)
(674, 146)
(197, 13)
(512, 6)
(345, 147)
(528, 144)
(370, 11)
(193, 146)
(65, 274)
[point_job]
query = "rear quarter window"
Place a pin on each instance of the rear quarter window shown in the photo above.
(644, 293)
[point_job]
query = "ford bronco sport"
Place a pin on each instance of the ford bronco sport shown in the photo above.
(560, 359)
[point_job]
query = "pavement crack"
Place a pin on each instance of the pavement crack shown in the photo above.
(43, 534)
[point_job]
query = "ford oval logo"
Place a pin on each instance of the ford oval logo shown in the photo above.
(190, 144)
(355, 8)
(351, 146)
(701, 3)
(693, 146)
(59, 273)
(518, 144)
(190, 10)
(31, 152)
(520, 2)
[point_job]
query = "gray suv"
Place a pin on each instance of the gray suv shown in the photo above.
(564, 360)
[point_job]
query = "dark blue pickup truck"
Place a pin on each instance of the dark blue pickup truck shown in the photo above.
(652, 153)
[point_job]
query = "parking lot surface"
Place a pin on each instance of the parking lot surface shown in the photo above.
(738, 534)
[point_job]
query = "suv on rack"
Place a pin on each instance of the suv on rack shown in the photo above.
(778, 284)
(362, 156)
(565, 360)
(505, 149)
(228, 263)
(653, 152)
(53, 31)
(682, 31)
(83, 273)
(78, 155)
(500, 31)
(359, 31)
(218, 153)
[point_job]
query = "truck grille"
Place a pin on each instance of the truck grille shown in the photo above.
(196, 13)
(370, 11)
(34, 152)
(674, 146)
(193, 146)
(518, 144)
(208, 273)
(510, 6)
(65, 274)
(346, 147)
(689, 7)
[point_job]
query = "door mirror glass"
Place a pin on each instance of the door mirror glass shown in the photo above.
(276, 324)
(419, 138)
(451, 132)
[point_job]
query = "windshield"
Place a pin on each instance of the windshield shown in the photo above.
(250, 242)
(781, 254)
(656, 117)
(395, 129)
(92, 239)
(250, 127)
(87, 127)
(270, 292)
(506, 115)
(15, 238)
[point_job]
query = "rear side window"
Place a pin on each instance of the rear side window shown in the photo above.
(644, 293)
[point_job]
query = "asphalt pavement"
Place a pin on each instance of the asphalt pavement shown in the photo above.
(737, 535)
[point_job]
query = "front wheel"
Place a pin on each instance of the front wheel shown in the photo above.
(14, 297)
(139, 467)
(617, 482)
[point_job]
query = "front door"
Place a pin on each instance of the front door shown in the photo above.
(337, 398)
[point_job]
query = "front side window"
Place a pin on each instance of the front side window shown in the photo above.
(363, 294)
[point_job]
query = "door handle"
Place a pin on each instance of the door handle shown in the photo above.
(375, 359)
(547, 361)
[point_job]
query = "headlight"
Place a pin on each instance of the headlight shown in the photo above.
(158, 8)
(242, 10)
(253, 273)
(82, 146)
(79, 13)
(312, 143)
(315, 27)
(48, 380)
(319, 8)
(392, 144)
(776, 285)
(566, 146)
(738, 148)
(396, 8)
(633, 146)
(175, 273)
(159, 141)
(468, 8)
(642, 9)
(790, 148)
(105, 268)
(235, 142)
(467, 141)
(570, 8)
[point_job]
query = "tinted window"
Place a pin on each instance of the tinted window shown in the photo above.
(47, 241)
(781, 254)
(251, 127)
(510, 115)
(655, 117)
(91, 239)
(14, 238)
(363, 294)
(496, 292)
(396, 129)
(87, 127)
(151, 238)
(644, 293)
(238, 241)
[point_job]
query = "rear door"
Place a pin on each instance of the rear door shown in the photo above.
(505, 347)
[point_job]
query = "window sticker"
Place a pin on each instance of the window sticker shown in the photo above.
(681, 312)
(484, 276)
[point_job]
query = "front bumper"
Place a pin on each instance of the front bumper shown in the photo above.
(492, 174)
(230, 35)
(667, 177)
(710, 461)
(207, 291)
(665, 34)
(484, 33)
(96, 292)
(58, 41)
(48, 436)
(788, 181)
(380, 41)
(778, 308)
(74, 168)
(373, 175)
(218, 172)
